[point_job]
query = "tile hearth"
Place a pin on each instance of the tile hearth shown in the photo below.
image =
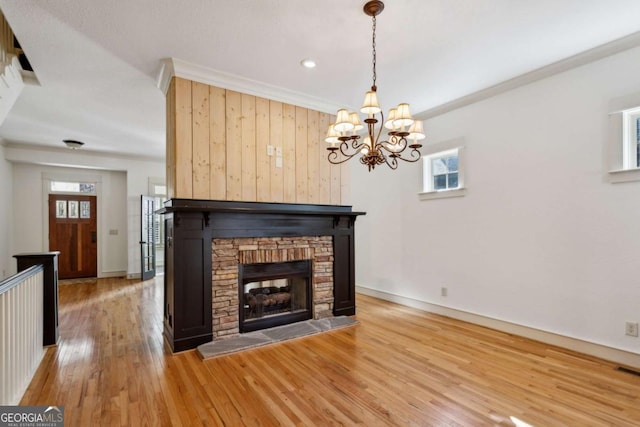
(272, 335)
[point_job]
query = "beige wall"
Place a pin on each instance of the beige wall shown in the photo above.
(217, 148)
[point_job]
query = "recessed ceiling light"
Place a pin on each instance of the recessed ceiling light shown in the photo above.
(308, 63)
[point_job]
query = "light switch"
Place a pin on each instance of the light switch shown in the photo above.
(269, 150)
(279, 152)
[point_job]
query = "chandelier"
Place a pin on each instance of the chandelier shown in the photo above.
(402, 130)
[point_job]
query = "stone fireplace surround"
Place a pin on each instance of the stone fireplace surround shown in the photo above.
(192, 229)
(229, 253)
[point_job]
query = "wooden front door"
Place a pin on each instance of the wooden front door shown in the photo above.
(73, 232)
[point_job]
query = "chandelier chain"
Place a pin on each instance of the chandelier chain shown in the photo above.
(373, 46)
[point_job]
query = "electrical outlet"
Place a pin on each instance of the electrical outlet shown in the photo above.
(631, 329)
(279, 162)
(443, 291)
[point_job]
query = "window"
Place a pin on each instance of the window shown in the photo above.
(73, 187)
(631, 138)
(159, 190)
(637, 141)
(443, 171)
(157, 187)
(623, 148)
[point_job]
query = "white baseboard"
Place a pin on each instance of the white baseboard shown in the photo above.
(134, 276)
(608, 353)
(105, 274)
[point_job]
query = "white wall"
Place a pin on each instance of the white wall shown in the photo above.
(541, 239)
(7, 262)
(123, 181)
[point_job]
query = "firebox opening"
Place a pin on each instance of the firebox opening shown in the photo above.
(273, 294)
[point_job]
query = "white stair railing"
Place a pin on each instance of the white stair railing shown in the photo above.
(21, 330)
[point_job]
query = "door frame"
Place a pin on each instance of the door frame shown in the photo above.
(147, 274)
(47, 177)
(154, 183)
(76, 238)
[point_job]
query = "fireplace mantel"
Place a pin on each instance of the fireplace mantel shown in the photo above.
(191, 226)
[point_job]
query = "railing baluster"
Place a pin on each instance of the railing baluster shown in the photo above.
(21, 332)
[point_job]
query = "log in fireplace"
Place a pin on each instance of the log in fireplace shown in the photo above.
(194, 228)
(273, 294)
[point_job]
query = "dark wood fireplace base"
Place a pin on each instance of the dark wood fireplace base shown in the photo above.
(191, 225)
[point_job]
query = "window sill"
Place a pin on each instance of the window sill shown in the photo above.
(443, 194)
(624, 175)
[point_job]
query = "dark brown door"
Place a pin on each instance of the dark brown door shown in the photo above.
(73, 232)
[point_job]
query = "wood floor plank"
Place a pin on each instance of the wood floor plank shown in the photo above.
(397, 367)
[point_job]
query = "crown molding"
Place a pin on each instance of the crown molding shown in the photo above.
(173, 67)
(165, 72)
(600, 52)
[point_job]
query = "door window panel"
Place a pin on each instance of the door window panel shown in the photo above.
(61, 209)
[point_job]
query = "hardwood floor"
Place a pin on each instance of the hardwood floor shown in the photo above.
(399, 366)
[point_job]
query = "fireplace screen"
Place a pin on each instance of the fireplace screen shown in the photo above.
(274, 294)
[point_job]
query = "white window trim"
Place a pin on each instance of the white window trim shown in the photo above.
(621, 144)
(438, 150)
(442, 194)
(630, 138)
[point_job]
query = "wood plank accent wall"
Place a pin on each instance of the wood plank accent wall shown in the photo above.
(217, 148)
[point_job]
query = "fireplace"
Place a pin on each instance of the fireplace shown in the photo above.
(269, 269)
(208, 242)
(273, 294)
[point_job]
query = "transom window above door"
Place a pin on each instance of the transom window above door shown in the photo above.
(73, 187)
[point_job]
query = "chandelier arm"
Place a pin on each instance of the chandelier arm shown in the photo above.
(392, 161)
(387, 145)
(356, 144)
(414, 156)
(343, 148)
(333, 157)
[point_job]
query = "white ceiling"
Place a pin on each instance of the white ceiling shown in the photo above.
(98, 60)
